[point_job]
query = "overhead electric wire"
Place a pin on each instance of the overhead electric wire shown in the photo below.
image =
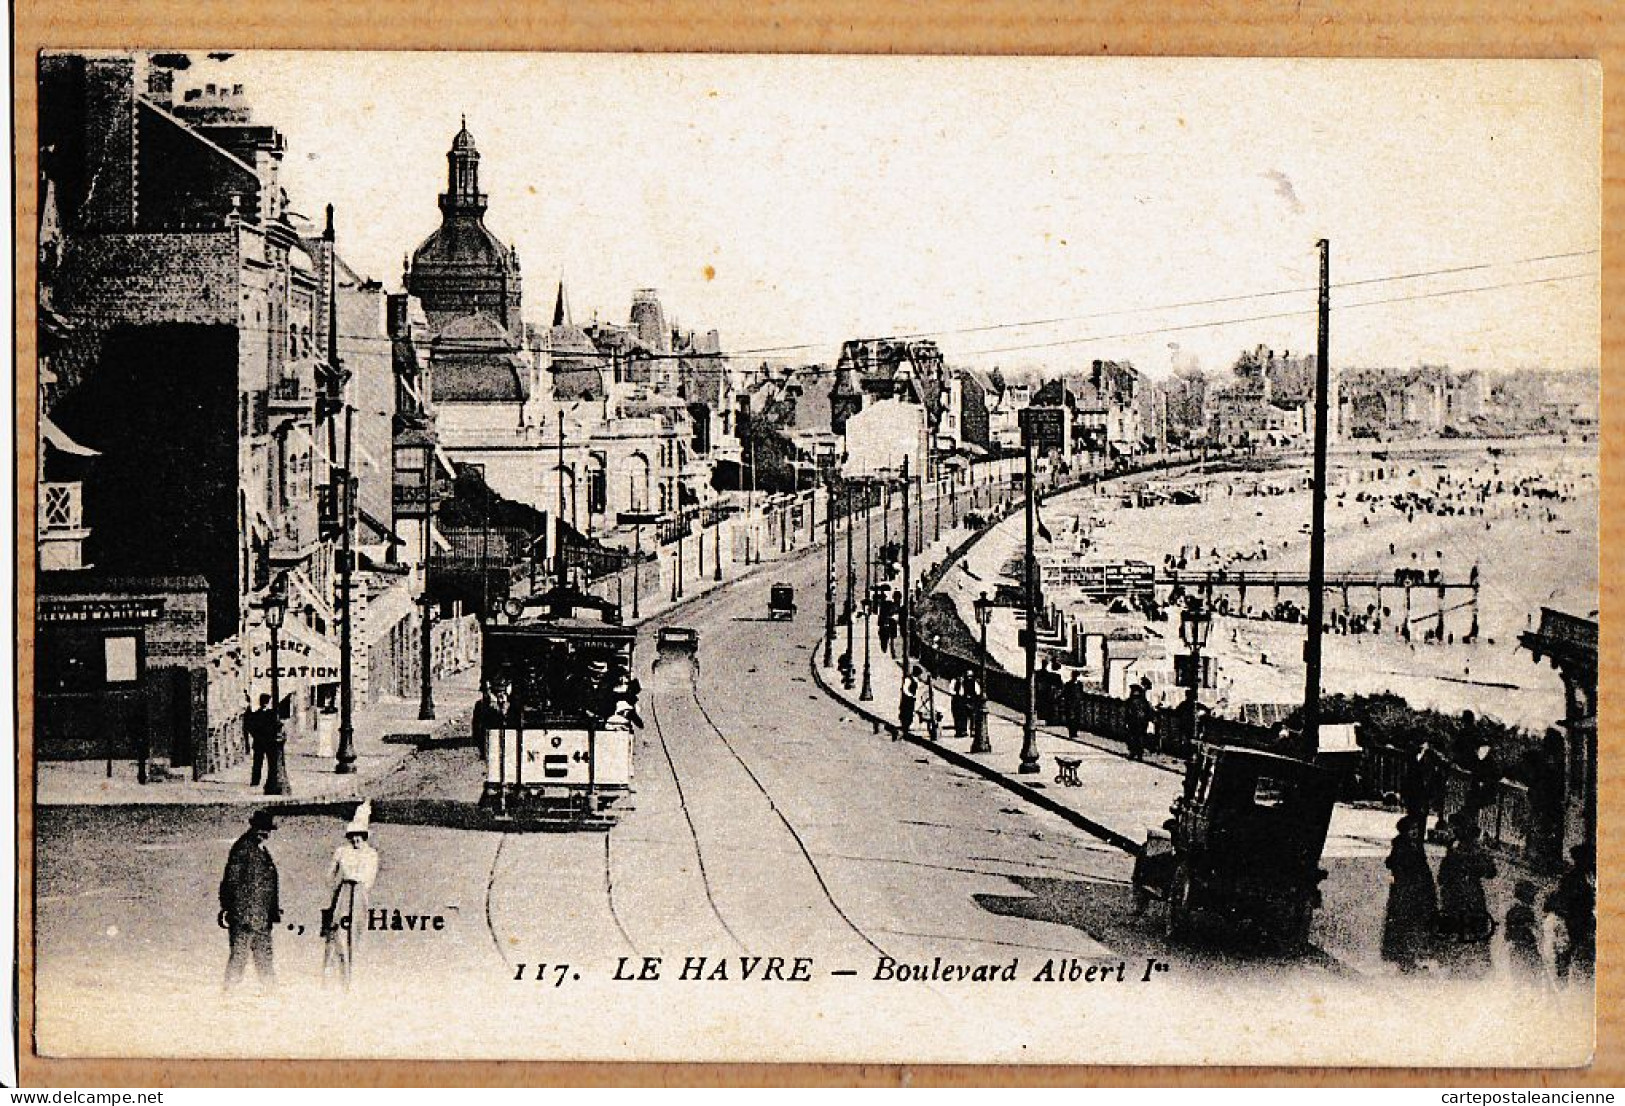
(597, 359)
(1091, 338)
(1238, 298)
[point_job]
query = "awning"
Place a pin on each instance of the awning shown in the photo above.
(308, 594)
(380, 528)
(56, 439)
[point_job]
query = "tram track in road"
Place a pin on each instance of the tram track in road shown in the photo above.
(609, 894)
(490, 890)
(812, 865)
(688, 818)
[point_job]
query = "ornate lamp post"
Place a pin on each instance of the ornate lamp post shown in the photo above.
(276, 608)
(1195, 622)
(984, 615)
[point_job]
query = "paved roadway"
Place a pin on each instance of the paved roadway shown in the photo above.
(768, 821)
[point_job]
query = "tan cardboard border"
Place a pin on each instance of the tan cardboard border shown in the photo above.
(1308, 28)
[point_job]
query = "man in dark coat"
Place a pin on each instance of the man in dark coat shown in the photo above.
(249, 903)
(888, 623)
(1072, 700)
(261, 726)
(1139, 721)
(487, 717)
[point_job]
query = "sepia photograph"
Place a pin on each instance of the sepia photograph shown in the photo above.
(840, 559)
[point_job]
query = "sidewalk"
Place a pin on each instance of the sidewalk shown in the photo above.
(1117, 800)
(386, 734)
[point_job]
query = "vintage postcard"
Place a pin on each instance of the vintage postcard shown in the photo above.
(854, 559)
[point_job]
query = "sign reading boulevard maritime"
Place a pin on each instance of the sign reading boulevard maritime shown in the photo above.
(1118, 585)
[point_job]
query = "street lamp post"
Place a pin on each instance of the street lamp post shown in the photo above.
(984, 614)
(276, 607)
(1195, 622)
(677, 567)
(936, 508)
(885, 515)
(637, 566)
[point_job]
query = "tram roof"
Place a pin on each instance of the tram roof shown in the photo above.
(564, 627)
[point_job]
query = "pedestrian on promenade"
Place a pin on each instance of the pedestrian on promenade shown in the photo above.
(1574, 903)
(1072, 704)
(249, 904)
(1420, 786)
(1464, 915)
(888, 623)
(1407, 925)
(261, 726)
(905, 703)
(487, 717)
(1546, 776)
(1523, 933)
(1140, 722)
(1485, 772)
(960, 705)
(976, 708)
(354, 871)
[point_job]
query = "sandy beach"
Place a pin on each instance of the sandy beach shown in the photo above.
(1534, 543)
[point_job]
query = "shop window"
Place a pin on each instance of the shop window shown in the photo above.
(119, 651)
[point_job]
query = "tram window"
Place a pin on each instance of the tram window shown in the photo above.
(1268, 793)
(558, 681)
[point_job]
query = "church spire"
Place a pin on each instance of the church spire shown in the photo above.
(561, 310)
(463, 195)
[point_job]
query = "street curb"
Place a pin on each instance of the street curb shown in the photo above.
(322, 800)
(961, 760)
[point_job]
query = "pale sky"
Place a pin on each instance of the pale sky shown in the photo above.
(852, 197)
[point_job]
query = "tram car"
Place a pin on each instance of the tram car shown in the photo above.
(563, 701)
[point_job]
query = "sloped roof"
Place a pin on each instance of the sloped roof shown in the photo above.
(475, 361)
(461, 241)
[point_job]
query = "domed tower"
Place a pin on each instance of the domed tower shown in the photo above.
(462, 268)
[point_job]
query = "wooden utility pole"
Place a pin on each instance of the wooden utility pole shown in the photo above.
(829, 568)
(345, 764)
(1310, 739)
(558, 527)
(1029, 589)
(908, 591)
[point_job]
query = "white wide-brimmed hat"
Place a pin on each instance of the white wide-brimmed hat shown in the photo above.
(362, 821)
